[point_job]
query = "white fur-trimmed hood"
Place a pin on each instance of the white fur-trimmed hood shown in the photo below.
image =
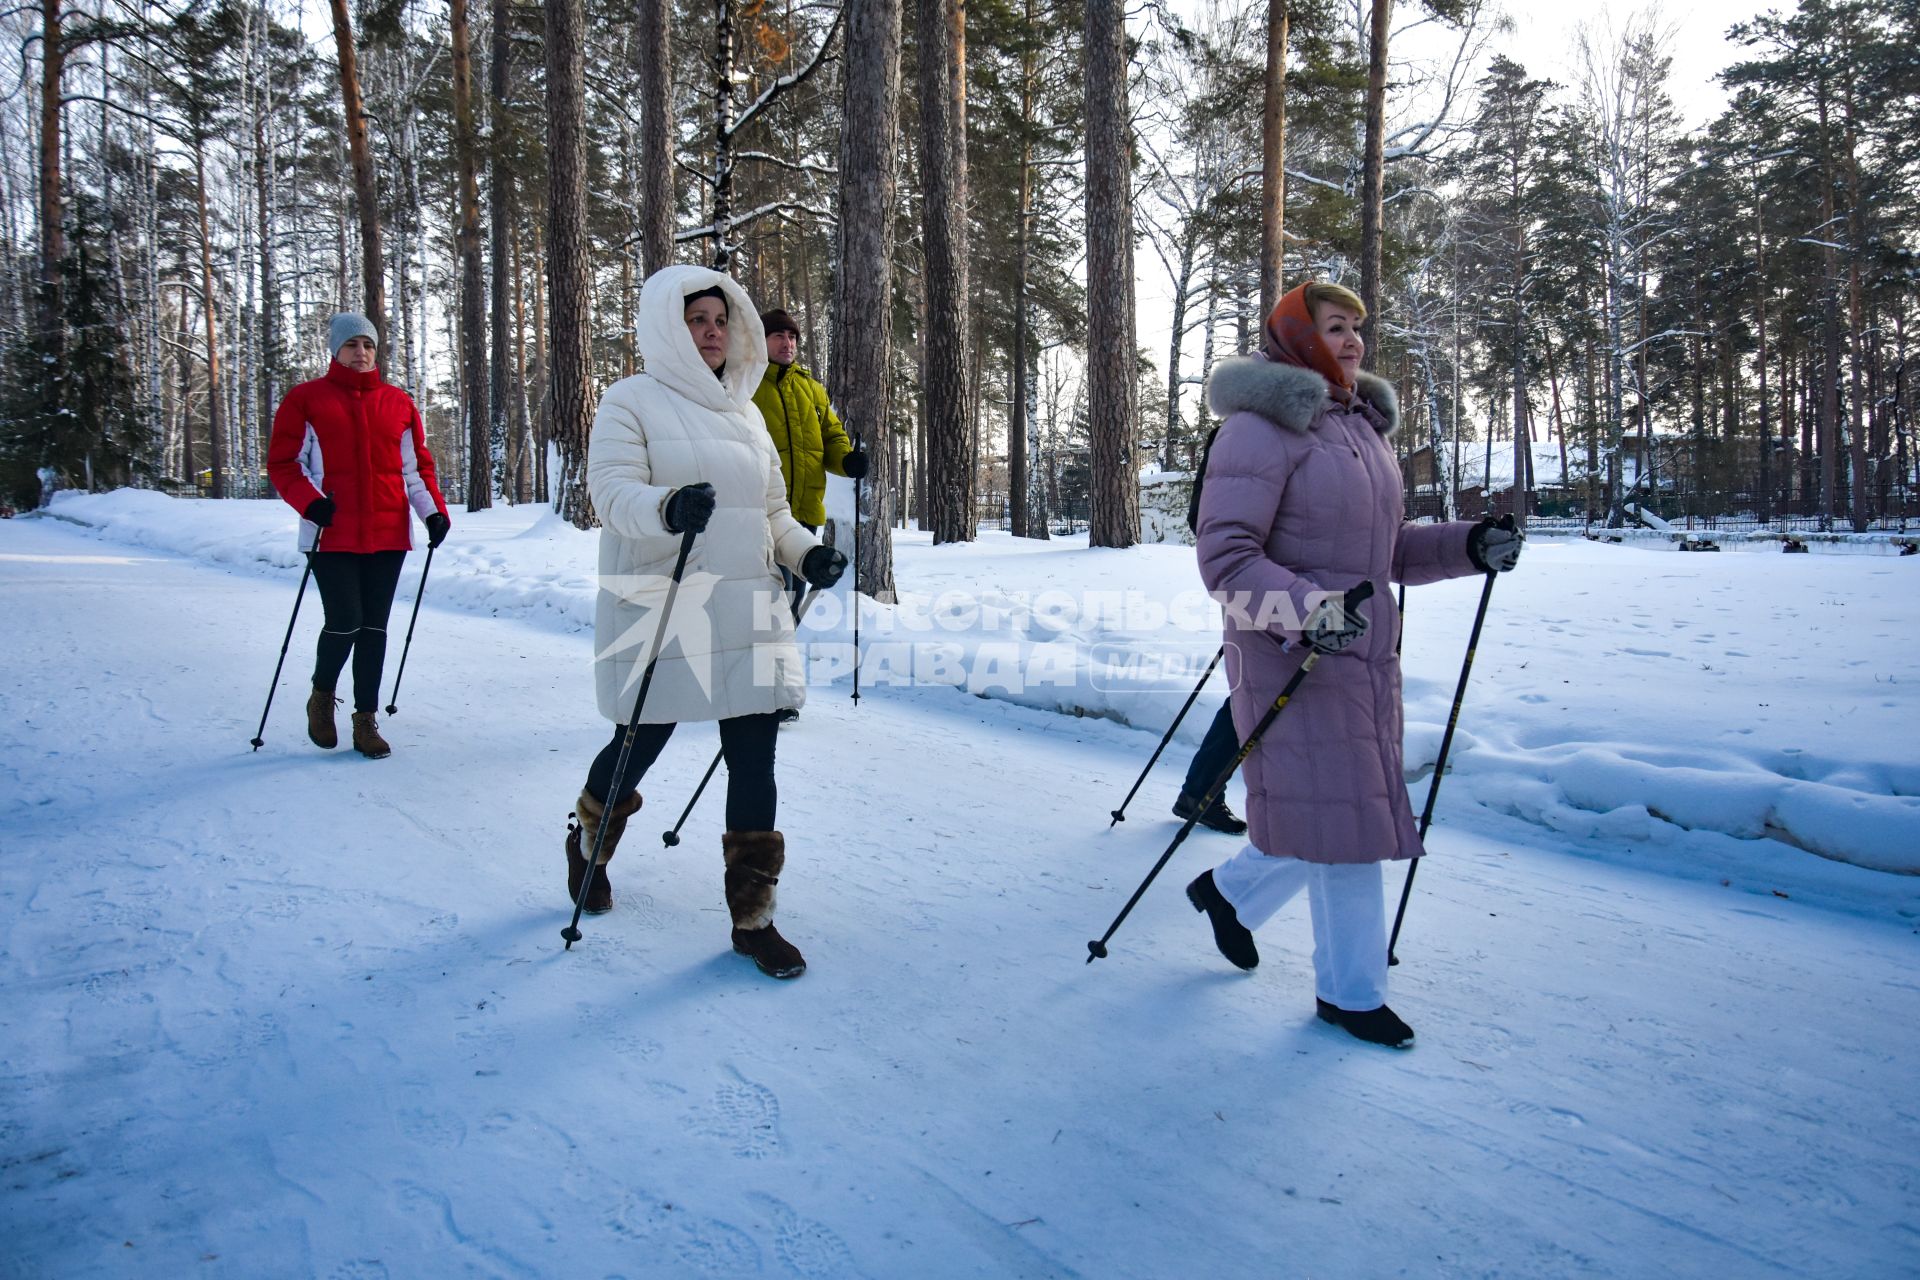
(1290, 396)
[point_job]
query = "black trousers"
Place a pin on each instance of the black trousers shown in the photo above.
(1215, 753)
(795, 583)
(746, 742)
(356, 590)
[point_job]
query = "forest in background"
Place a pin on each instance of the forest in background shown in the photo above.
(953, 198)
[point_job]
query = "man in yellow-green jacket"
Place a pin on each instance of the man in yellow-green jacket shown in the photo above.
(805, 430)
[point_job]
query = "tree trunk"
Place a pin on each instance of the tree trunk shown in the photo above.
(366, 193)
(1830, 322)
(654, 68)
(1273, 161)
(950, 461)
(1373, 176)
(722, 223)
(1019, 465)
(50, 311)
(862, 334)
(569, 374)
(486, 449)
(214, 425)
(1114, 518)
(500, 426)
(1858, 491)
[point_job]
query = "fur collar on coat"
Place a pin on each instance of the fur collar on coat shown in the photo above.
(1293, 397)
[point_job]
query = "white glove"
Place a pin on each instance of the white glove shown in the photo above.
(1495, 548)
(1330, 628)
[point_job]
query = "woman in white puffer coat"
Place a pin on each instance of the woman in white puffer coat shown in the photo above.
(681, 447)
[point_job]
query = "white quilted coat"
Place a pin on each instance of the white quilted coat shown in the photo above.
(729, 649)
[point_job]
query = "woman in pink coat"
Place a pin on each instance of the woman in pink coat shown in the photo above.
(1301, 503)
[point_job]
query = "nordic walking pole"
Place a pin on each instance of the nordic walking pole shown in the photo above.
(671, 838)
(1120, 814)
(572, 932)
(856, 586)
(1440, 765)
(392, 707)
(259, 735)
(1097, 949)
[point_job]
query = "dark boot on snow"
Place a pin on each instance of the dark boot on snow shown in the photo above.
(1375, 1026)
(754, 861)
(1235, 943)
(366, 737)
(1216, 816)
(321, 730)
(580, 837)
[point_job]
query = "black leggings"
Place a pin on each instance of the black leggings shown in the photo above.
(356, 590)
(747, 743)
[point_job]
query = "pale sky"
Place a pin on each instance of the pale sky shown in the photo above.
(1543, 41)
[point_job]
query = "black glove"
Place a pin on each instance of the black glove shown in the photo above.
(1495, 547)
(854, 465)
(1330, 628)
(438, 527)
(320, 511)
(823, 566)
(689, 509)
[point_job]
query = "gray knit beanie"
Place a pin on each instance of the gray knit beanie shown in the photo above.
(346, 326)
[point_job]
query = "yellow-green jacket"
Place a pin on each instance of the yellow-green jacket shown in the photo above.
(806, 433)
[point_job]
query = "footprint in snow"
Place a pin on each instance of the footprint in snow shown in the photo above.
(360, 1269)
(744, 1115)
(704, 1246)
(434, 1128)
(808, 1248)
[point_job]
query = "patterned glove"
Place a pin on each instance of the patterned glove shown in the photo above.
(1330, 628)
(1495, 547)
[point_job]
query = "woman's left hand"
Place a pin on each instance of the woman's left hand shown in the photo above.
(822, 567)
(1495, 548)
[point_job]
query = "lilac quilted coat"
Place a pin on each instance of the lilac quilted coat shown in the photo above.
(1303, 497)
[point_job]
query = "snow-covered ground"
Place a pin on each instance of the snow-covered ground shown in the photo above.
(297, 1013)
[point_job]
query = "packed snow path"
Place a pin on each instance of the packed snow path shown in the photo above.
(297, 1013)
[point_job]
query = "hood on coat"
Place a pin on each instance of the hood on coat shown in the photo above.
(667, 350)
(1291, 396)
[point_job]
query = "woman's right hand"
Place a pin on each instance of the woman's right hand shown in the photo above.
(1330, 628)
(320, 512)
(688, 510)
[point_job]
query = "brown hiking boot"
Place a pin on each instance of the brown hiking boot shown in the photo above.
(320, 727)
(366, 737)
(754, 861)
(580, 837)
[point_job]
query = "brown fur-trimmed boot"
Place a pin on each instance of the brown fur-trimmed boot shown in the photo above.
(754, 861)
(320, 727)
(580, 836)
(366, 737)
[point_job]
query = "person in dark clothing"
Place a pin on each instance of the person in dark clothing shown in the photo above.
(1216, 753)
(349, 453)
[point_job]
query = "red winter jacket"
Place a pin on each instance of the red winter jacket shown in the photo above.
(351, 436)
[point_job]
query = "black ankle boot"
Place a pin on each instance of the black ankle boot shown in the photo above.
(1375, 1026)
(1235, 943)
(1215, 817)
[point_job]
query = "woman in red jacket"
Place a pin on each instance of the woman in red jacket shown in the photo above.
(349, 453)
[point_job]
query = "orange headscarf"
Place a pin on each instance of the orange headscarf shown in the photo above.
(1291, 337)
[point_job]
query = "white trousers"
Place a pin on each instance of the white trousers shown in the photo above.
(1349, 918)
